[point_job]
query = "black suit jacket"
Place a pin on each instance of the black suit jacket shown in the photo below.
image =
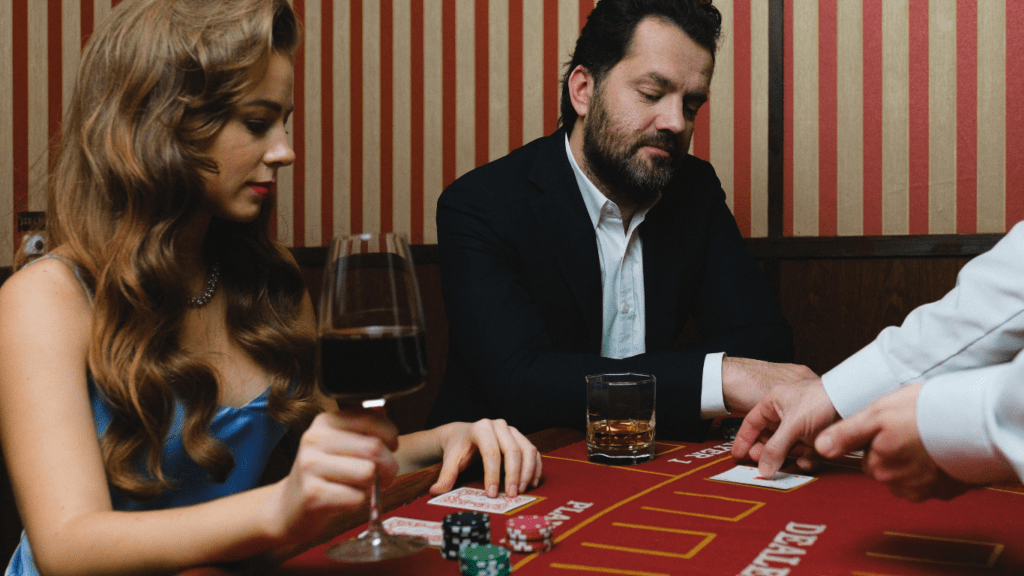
(521, 280)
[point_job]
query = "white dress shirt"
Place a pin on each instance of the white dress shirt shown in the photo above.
(622, 285)
(968, 349)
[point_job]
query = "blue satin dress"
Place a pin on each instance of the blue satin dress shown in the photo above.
(249, 432)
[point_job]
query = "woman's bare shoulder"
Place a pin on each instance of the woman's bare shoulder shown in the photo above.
(45, 290)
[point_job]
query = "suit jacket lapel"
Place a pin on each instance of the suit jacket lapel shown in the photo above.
(561, 213)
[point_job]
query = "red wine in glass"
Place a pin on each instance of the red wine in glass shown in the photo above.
(371, 348)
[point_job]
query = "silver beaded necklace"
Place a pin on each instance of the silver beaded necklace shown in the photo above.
(211, 285)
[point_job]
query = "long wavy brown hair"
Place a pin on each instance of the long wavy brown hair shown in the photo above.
(158, 80)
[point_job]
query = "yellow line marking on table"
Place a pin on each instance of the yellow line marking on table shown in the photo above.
(994, 489)
(737, 518)
(636, 550)
(605, 570)
(518, 509)
(708, 536)
(587, 521)
(997, 549)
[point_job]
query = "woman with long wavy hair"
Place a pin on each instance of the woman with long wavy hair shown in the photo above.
(151, 360)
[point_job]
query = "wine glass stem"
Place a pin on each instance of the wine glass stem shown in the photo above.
(375, 529)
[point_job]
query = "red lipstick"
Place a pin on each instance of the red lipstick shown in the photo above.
(261, 188)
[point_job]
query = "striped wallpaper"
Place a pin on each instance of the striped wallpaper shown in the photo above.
(895, 109)
(903, 117)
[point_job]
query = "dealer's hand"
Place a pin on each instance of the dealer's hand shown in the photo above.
(786, 420)
(895, 453)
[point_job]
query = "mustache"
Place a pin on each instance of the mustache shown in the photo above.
(664, 140)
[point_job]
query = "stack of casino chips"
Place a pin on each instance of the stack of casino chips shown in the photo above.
(528, 534)
(459, 529)
(485, 560)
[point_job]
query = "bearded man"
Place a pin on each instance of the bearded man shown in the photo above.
(589, 250)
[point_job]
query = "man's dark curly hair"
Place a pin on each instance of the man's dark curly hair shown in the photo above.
(608, 34)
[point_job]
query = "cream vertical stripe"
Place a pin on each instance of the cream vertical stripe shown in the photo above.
(497, 84)
(533, 69)
(465, 87)
(722, 122)
(401, 116)
(38, 112)
(849, 117)
(342, 121)
(805, 117)
(313, 188)
(992, 116)
(6, 136)
(895, 117)
(568, 31)
(371, 115)
(758, 119)
(100, 10)
(942, 116)
(432, 138)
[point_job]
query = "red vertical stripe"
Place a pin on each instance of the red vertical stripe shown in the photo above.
(416, 82)
(299, 139)
(1014, 113)
(515, 74)
(550, 83)
(741, 115)
(88, 15)
(327, 121)
(55, 72)
(387, 104)
(828, 103)
(787, 112)
(482, 78)
(356, 117)
(919, 129)
(872, 65)
(19, 121)
(448, 104)
(585, 7)
(966, 117)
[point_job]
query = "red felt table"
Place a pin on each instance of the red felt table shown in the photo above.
(667, 517)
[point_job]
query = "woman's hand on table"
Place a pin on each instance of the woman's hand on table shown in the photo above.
(496, 442)
(338, 457)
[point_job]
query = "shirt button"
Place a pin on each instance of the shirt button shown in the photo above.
(625, 308)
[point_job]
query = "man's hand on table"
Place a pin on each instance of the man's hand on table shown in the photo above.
(493, 439)
(786, 420)
(894, 452)
(745, 382)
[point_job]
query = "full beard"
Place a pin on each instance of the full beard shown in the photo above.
(616, 162)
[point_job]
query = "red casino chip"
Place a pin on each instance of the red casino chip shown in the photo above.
(524, 547)
(529, 528)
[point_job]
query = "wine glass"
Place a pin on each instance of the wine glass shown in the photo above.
(372, 347)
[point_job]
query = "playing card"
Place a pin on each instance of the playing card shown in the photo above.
(476, 499)
(750, 476)
(413, 527)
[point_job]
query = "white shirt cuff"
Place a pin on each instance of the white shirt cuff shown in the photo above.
(858, 380)
(712, 401)
(952, 410)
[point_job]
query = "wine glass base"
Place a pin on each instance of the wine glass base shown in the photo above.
(373, 547)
